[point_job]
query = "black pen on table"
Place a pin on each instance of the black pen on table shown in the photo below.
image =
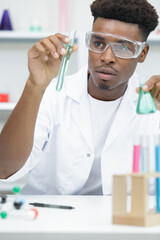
(36, 204)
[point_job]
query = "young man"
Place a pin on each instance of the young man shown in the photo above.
(73, 141)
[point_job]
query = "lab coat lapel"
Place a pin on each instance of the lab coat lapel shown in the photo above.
(125, 114)
(81, 116)
(77, 91)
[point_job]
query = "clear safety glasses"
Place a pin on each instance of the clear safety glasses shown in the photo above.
(121, 47)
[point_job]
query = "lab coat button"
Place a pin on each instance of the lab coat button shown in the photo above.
(88, 154)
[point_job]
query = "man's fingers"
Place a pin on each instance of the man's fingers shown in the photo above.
(149, 85)
(157, 102)
(39, 50)
(74, 48)
(137, 89)
(58, 43)
(63, 38)
(156, 90)
(52, 46)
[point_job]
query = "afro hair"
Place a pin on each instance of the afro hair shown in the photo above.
(138, 12)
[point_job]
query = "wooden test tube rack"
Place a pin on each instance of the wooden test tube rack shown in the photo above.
(138, 215)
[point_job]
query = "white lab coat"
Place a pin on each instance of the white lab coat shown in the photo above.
(63, 152)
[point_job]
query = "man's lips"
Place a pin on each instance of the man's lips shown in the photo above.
(106, 73)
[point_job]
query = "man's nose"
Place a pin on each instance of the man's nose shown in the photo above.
(108, 56)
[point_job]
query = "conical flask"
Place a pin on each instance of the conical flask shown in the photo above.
(145, 101)
(6, 22)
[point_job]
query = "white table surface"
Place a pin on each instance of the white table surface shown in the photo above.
(91, 219)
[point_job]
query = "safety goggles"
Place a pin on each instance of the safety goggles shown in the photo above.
(122, 47)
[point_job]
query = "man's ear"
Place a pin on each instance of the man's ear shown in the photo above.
(144, 53)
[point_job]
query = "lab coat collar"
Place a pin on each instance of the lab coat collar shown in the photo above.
(78, 82)
(126, 111)
(77, 85)
(77, 90)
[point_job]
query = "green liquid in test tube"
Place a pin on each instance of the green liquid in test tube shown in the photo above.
(145, 101)
(65, 61)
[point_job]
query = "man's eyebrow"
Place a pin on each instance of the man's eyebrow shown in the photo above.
(117, 40)
(98, 37)
(122, 41)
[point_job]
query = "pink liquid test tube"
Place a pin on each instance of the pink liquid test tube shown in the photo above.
(63, 15)
(136, 158)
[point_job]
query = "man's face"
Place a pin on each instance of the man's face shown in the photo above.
(109, 74)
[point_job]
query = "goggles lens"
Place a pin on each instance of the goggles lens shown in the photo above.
(121, 46)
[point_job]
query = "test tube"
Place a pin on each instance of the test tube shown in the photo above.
(157, 169)
(136, 155)
(144, 154)
(27, 214)
(65, 61)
